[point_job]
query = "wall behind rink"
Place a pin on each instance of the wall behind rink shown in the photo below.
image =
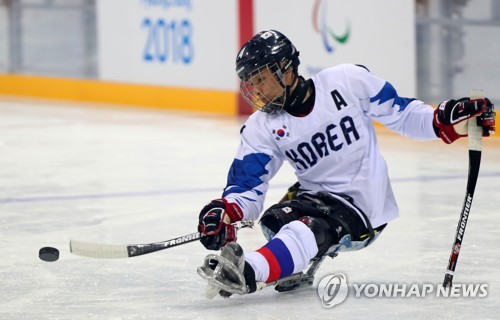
(193, 44)
(179, 54)
(184, 43)
(379, 34)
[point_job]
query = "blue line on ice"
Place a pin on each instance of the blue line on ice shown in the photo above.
(166, 192)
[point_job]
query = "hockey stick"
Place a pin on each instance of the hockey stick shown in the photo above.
(475, 134)
(111, 251)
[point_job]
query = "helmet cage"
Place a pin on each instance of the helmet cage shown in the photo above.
(259, 95)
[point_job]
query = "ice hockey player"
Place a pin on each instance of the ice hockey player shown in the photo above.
(323, 128)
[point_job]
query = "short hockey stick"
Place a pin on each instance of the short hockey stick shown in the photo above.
(475, 133)
(111, 251)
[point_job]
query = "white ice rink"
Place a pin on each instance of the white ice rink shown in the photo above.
(132, 176)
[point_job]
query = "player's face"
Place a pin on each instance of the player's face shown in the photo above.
(263, 87)
(266, 85)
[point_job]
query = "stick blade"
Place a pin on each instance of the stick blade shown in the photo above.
(96, 250)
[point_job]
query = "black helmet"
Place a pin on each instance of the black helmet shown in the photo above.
(267, 49)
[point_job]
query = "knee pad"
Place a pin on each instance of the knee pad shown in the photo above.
(276, 217)
(285, 212)
(322, 233)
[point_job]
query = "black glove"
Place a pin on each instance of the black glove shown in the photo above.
(215, 223)
(452, 116)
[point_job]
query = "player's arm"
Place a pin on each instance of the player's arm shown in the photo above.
(380, 101)
(243, 198)
(411, 117)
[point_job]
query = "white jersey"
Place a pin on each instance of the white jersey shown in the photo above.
(333, 148)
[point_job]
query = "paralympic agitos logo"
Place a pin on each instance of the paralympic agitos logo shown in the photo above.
(320, 24)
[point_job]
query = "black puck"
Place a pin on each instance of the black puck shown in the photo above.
(48, 254)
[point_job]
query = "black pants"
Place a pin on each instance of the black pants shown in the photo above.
(350, 229)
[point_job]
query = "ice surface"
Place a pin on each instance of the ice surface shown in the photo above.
(126, 176)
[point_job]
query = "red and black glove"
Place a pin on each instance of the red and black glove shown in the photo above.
(215, 223)
(452, 116)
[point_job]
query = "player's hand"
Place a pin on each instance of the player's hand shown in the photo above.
(215, 223)
(452, 116)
